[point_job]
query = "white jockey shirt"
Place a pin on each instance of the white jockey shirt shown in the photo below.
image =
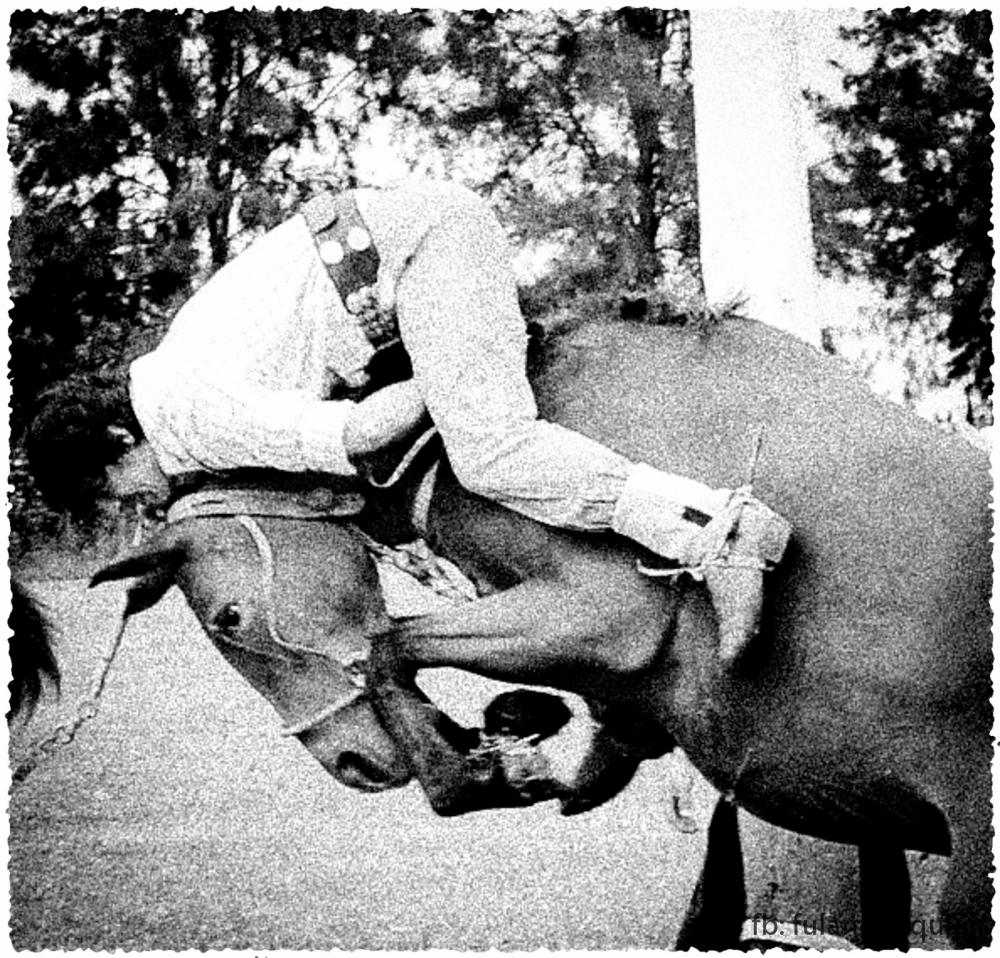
(239, 379)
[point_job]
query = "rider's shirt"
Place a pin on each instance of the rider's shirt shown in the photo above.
(240, 379)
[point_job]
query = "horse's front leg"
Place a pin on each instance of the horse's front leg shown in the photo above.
(540, 633)
(436, 759)
(441, 753)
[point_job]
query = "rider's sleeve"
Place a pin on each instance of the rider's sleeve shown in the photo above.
(194, 424)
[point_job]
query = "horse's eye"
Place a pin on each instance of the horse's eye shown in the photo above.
(228, 619)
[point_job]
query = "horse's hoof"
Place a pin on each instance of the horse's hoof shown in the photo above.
(607, 768)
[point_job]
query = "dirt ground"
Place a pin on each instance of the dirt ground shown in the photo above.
(180, 819)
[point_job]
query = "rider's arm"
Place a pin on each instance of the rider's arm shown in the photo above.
(195, 423)
(382, 418)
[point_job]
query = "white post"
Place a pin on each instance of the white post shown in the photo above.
(756, 232)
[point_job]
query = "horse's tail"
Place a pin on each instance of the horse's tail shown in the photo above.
(32, 656)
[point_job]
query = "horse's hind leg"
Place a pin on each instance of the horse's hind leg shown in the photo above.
(967, 899)
(718, 905)
(885, 892)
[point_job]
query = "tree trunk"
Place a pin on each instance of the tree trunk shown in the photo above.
(756, 233)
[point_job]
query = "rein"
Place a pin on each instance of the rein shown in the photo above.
(246, 506)
(351, 664)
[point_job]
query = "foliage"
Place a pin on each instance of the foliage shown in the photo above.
(585, 133)
(907, 201)
(164, 141)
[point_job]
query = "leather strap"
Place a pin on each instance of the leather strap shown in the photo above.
(344, 243)
(266, 502)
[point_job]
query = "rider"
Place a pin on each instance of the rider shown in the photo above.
(241, 378)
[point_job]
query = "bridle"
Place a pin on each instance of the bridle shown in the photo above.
(245, 507)
(197, 505)
(351, 664)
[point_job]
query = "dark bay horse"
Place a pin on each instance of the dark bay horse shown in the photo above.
(861, 714)
(290, 603)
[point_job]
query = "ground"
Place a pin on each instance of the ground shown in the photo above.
(179, 819)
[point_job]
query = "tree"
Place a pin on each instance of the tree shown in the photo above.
(580, 125)
(166, 141)
(906, 201)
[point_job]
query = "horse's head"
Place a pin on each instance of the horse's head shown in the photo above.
(291, 605)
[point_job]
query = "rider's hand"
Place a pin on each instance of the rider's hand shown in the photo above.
(383, 418)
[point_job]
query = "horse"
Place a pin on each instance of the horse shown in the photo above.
(860, 714)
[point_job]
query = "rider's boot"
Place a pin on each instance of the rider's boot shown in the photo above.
(724, 536)
(622, 741)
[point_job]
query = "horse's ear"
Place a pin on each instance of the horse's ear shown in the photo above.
(160, 557)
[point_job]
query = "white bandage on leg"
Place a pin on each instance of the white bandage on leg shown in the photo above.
(651, 511)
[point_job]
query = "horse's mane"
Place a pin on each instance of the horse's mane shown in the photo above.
(550, 330)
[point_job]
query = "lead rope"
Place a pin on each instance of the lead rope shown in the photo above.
(415, 559)
(63, 734)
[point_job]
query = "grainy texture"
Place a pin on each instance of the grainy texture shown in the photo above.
(180, 819)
